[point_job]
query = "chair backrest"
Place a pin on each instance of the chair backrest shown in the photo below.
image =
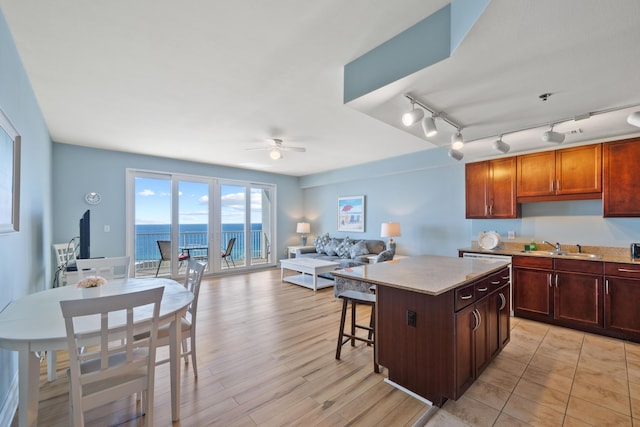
(64, 252)
(110, 354)
(164, 246)
(109, 268)
(232, 241)
(193, 277)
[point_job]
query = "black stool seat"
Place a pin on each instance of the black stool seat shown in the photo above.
(355, 298)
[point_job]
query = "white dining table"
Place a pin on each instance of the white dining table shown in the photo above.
(34, 324)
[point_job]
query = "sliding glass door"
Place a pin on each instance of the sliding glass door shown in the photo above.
(180, 213)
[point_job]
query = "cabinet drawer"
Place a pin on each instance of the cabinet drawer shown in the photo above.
(532, 262)
(465, 296)
(631, 271)
(579, 266)
(499, 279)
(483, 289)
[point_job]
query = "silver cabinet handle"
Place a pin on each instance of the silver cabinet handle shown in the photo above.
(482, 289)
(475, 316)
(504, 301)
(556, 280)
(466, 297)
(549, 280)
(505, 277)
(628, 270)
(479, 318)
(606, 287)
(497, 282)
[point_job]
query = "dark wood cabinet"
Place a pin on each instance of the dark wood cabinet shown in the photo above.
(568, 174)
(622, 293)
(621, 186)
(451, 342)
(490, 189)
(578, 291)
(482, 329)
(532, 288)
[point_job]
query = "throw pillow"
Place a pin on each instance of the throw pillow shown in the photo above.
(320, 241)
(358, 249)
(343, 249)
(330, 248)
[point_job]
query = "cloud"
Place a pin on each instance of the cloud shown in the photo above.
(146, 193)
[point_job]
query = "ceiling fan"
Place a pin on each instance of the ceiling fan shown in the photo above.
(276, 148)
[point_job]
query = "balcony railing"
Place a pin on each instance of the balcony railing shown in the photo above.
(197, 243)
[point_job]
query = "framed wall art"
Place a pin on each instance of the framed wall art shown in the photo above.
(9, 176)
(351, 214)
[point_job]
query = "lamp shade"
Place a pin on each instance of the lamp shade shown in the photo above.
(303, 228)
(390, 229)
(413, 116)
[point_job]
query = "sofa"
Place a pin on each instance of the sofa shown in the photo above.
(346, 251)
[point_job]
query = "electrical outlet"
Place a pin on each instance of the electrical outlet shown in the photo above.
(411, 318)
(107, 228)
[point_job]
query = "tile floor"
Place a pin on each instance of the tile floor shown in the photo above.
(552, 376)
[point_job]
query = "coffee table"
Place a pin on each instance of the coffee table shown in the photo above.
(310, 269)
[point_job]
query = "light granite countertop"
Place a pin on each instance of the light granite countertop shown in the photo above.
(605, 253)
(427, 274)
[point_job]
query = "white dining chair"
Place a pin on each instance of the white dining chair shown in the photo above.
(115, 363)
(193, 277)
(109, 268)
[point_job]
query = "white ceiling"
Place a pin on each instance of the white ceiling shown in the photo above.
(206, 80)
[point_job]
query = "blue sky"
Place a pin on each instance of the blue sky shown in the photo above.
(153, 202)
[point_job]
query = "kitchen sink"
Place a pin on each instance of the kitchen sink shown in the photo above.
(565, 254)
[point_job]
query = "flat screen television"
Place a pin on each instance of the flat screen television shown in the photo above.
(85, 236)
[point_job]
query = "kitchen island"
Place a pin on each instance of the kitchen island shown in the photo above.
(439, 320)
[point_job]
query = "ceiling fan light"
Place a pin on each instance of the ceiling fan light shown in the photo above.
(555, 137)
(457, 142)
(501, 146)
(456, 155)
(634, 119)
(275, 154)
(429, 127)
(412, 117)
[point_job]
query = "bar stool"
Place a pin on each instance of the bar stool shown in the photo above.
(355, 298)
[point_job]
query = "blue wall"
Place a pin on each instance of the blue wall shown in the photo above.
(79, 170)
(24, 256)
(424, 192)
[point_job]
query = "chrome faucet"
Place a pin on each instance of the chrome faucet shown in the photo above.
(557, 245)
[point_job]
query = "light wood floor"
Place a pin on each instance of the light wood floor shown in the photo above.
(266, 356)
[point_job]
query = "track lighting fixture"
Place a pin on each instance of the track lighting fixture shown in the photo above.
(429, 127)
(501, 146)
(551, 136)
(457, 142)
(455, 154)
(412, 117)
(275, 154)
(634, 119)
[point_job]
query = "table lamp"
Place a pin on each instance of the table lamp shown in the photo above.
(390, 230)
(303, 228)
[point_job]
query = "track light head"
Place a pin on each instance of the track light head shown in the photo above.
(551, 136)
(275, 154)
(457, 142)
(429, 127)
(412, 117)
(501, 146)
(455, 154)
(634, 119)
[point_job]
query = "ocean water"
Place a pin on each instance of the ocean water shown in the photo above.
(190, 235)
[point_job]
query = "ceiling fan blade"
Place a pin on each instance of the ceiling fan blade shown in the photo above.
(259, 148)
(298, 149)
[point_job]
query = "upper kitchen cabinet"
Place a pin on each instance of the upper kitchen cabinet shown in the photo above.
(491, 189)
(569, 174)
(621, 186)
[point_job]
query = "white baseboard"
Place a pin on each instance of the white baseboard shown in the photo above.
(10, 404)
